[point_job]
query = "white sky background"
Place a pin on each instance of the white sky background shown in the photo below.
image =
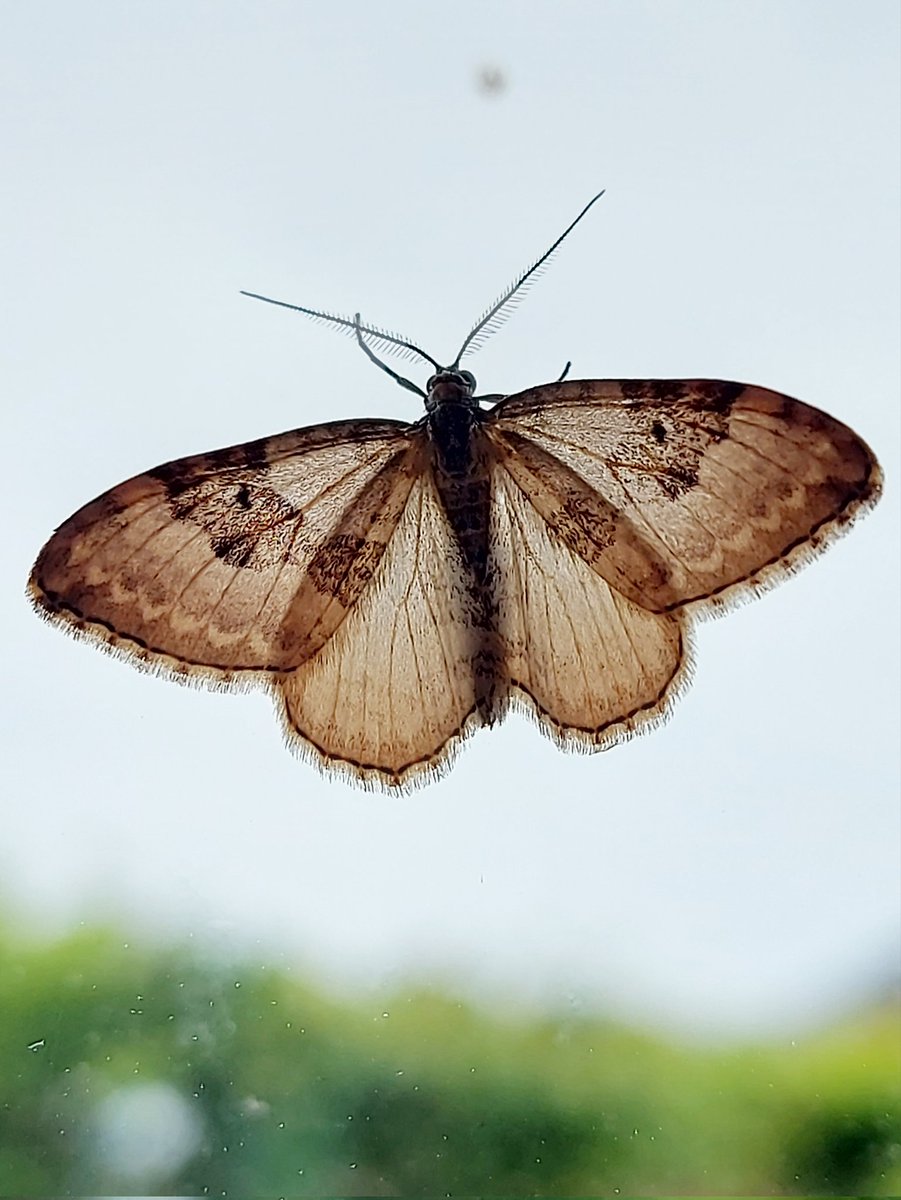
(737, 870)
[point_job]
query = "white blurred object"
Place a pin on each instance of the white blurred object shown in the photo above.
(145, 1132)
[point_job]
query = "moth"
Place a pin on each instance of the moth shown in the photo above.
(397, 586)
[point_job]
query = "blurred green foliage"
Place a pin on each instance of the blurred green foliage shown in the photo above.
(288, 1092)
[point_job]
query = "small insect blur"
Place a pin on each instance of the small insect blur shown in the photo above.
(491, 80)
(397, 586)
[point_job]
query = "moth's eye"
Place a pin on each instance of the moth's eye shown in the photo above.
(468, 378)
(431, 383)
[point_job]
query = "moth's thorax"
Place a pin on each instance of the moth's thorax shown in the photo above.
(453, 412)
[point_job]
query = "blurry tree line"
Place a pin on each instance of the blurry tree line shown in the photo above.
(135, 1068)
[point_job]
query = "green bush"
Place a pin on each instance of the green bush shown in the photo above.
(128, 1067)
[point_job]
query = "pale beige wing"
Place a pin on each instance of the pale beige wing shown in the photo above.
(592, 665)
(393, 691)
(684, 491)
(243, 560)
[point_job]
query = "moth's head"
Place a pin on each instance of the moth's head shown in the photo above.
(451, 385)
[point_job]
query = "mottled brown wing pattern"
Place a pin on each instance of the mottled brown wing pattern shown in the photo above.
(684, 492)
(236, 562)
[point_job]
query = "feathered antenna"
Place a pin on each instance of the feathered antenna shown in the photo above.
(384, 339)
(495, 316)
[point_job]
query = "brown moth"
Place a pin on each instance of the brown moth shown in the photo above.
(397, 586)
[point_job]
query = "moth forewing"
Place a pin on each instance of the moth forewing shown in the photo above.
(726, 486)
(583, 519)
(194, 567)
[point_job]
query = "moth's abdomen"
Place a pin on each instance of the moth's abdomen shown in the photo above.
(467, 505)
(466, 498)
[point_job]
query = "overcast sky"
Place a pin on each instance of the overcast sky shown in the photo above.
(738, 869)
